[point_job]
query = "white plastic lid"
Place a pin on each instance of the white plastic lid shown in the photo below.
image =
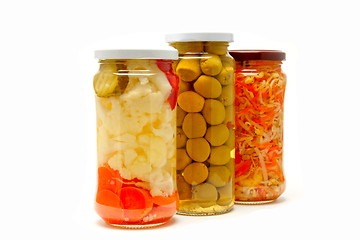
(199, 37)
(170, 54)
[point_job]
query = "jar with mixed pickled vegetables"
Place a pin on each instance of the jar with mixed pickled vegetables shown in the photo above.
(136, 93)
(205, 123)
(259, 110)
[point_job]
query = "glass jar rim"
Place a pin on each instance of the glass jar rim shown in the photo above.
(199, 37)
(166, 54)
(267, 55)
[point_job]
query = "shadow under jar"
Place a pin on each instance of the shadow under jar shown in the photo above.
(259, 113)
(205, 123)
(136, 94)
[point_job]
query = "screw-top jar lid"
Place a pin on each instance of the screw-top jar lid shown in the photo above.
(199, 37)
(170, 54)
(246, 55)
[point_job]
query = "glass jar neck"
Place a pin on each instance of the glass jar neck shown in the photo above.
(258, 63)
(218, 48)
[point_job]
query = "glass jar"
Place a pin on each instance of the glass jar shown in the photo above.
(259, 112)
(136, 94)
(205, 126)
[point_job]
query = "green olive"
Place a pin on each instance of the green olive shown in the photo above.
(188, 69)
(180, 115)
(218, 48)
(198, 149)
(210, 64)
(180, 138)
(213, 111)
(184, 189)
(217, 135)
(190, 101)
(205, 192)
(226, 75)
(219, 176)
(229, 116)
(184, 86)
(195, 173)
(219, 155)
(227, 95)
(189, 47)
(194, 125)
(226, 195)
(182, 159)
(208, 87)
(230, 142)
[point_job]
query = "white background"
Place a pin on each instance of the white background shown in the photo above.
(47, 123)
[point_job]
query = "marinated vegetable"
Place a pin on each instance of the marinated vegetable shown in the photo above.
(136, 127)
(205, 182)
(260, 87)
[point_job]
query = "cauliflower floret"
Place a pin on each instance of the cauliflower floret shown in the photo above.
(158, 78)
(161, 183)
(157, 152)
(135, 130)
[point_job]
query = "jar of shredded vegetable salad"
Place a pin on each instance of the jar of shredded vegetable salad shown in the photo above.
(136, 93)
(259, 110)
(205, 126)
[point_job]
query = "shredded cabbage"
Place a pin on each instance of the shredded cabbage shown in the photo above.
(260, 88)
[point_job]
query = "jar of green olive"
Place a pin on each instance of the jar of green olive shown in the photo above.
(205, 122)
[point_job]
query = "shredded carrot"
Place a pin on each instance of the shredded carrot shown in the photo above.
(259, 130)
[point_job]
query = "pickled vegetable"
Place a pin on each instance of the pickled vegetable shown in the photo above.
(198, 149)
(260, 87)
(217, 135)
(211, 64)
(191, 101)
(188, 69)
(136, 141)
(182, 159)
(194, 125)
(208, 87)
(206, 123)
(219, 176)
(195, 173)
(213, 112)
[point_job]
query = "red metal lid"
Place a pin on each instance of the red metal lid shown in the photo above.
(246, 55)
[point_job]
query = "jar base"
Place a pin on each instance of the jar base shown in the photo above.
(135, 226)
(185, 213)
(254, 202)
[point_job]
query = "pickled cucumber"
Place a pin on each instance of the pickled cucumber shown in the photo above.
(198, 149)
(184, 189)
(182, 159)
(106, 80)
(219, 155)
(195, 173)
(188, 69)
(213, 112)
(217, 135)
(194, 125)
(180, 138)
(210, 64)
(219, 176)
(208, 87)
(191, 101)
